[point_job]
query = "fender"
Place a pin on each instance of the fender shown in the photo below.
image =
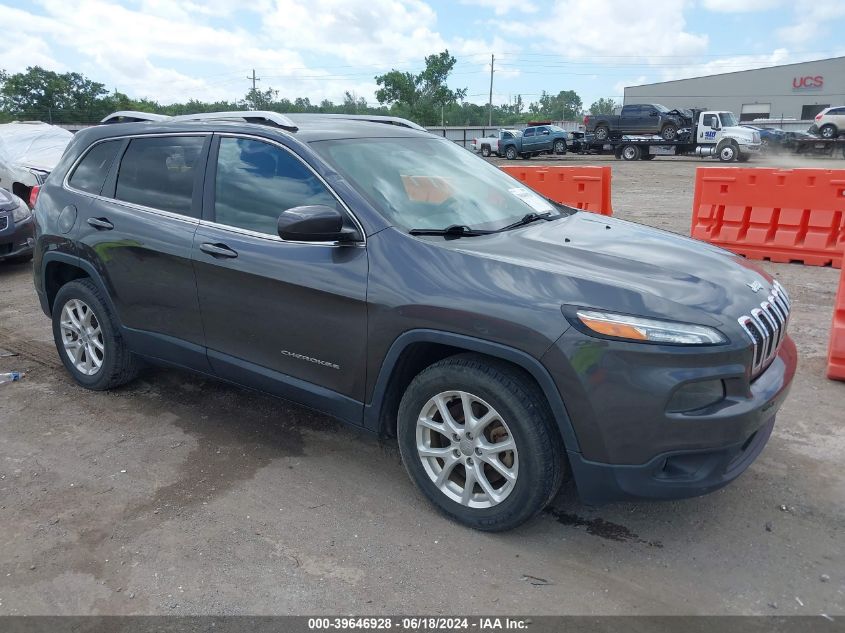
(78, 262)
(496, 350)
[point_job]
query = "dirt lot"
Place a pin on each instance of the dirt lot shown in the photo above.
(179, 495)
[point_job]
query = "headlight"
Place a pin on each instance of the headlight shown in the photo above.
(21, 213)
(649, 330)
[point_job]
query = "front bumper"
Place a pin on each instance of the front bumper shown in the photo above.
(17, 239)
(630, 447)
(751, 148)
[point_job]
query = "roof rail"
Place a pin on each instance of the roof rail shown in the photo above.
(371, 118)
(126, 116)
(263, 117)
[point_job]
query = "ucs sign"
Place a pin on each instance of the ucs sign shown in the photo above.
(808, 82)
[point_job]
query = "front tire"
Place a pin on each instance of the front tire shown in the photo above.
(669, 132)
(476, 437)
(728, 153)
(88, 340)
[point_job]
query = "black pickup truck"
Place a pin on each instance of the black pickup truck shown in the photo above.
(638, 118)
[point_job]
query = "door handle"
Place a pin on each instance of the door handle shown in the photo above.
(101, 224)
(217, 250)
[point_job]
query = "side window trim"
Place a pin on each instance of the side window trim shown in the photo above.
(107, 193)
(210, 187)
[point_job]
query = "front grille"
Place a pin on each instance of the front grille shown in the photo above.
(766, 327)
(4, 222)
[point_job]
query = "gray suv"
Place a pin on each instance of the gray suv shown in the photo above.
(393, 280)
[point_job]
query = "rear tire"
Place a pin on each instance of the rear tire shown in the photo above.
(828, 131)
(510, 153)
(631, 152)
(485, 151)
(602, 132)
(84, 325)
(560, 147)
(517, 416)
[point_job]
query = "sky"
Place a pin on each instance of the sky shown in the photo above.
(174, 50)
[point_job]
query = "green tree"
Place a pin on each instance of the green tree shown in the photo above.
(603, 106)
(566, 105)
(40, 94)
(420, 96)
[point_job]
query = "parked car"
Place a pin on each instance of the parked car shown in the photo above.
(490, 144)
(829, 123)
(28, 152)
(534, 140)
(638, 118)
(16, 229)
(389, 278)
(769, 137)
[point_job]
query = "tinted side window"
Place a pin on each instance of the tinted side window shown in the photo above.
(529, 131)
(92, 170)
(159, 172)
(257, 181)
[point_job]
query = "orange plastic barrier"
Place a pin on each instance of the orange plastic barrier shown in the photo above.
(836, 347)
(586, 188)
(778, 214)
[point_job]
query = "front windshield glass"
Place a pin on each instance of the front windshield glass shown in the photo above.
(661, 108)
(728, 119)
(555, 128)
(428, 183)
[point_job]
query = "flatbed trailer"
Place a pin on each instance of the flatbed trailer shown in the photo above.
(820, 146)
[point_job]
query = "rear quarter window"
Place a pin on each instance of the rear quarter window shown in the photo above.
(90, 174)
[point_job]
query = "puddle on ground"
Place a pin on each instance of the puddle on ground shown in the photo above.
(602, 528)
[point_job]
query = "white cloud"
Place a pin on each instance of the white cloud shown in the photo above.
(606, 28)
(812, 21)
(503, 7)
(741, 6)
(729, 65)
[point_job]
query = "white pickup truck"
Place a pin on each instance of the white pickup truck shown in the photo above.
(490, 144)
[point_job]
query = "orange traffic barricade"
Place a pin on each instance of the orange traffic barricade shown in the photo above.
(836, 347)
(782, 215)
(586, 188)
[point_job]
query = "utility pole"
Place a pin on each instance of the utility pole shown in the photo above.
(490, 103)
(254, 79)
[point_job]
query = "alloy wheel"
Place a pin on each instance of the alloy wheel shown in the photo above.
(467, 449)
(82, 337)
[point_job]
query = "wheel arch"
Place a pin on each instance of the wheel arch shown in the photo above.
(415, 350)
(60, 268)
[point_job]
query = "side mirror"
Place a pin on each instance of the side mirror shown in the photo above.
(715, 125)
(314, 223)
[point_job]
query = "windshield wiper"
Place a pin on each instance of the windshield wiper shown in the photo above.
(526, 219)
(454, 230)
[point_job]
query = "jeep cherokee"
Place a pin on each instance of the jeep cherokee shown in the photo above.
(393, 280)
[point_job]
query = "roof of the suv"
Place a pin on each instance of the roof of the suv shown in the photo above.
(309, 129)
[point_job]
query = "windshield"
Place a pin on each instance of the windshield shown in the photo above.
(660, 108)
(555, 128)
(728, 119)
(428, 183)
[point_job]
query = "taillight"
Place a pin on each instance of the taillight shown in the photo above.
(586, 118)
(819, 116)
(33, 195)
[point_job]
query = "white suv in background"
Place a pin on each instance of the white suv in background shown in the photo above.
(830, 122)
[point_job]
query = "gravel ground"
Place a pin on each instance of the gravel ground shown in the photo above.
(181, 495)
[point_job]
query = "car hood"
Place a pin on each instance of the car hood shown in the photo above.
(612, 264)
